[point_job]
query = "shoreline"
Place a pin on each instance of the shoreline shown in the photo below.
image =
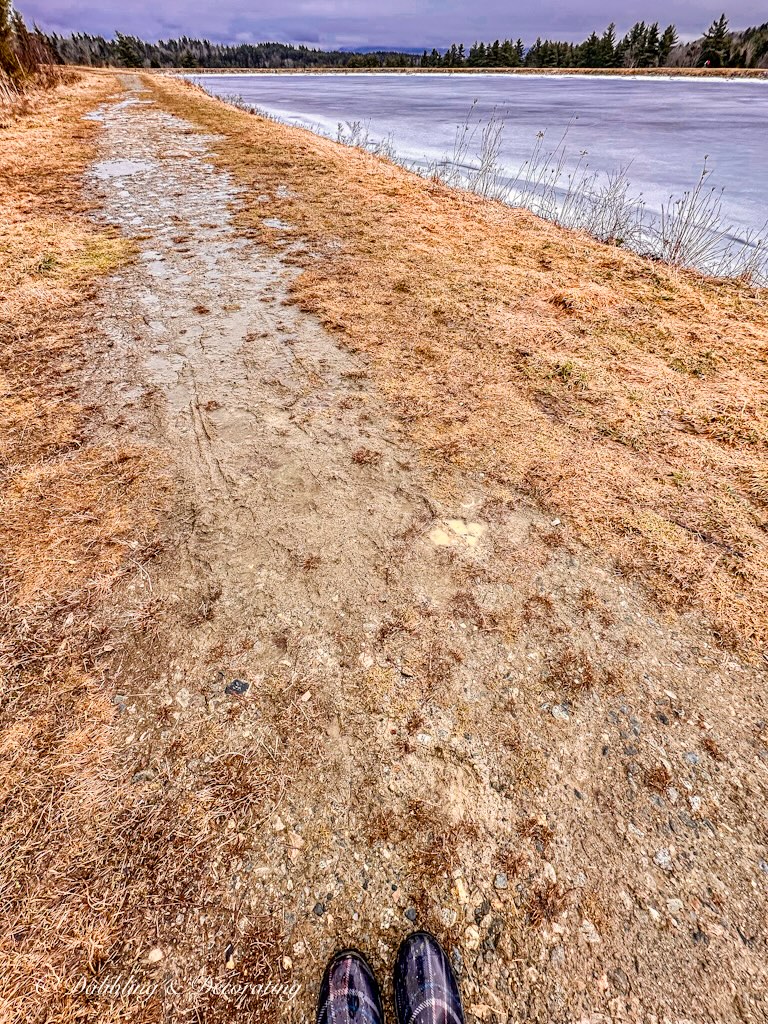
(303, 163)
(744, 238)
(751, 74)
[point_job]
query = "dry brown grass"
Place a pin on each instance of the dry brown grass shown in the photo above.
(631, 72)
(537, 831)
(658, 457)
(75, 516)
(545, 904)
(658, 778)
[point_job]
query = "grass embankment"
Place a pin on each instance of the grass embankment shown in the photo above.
(611, 72)
(71, 513)
(629, 398)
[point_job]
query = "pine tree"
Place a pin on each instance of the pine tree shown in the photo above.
(650, 57)
(608, 47)
(667, 41)
(129, 51)
(533, 57)
(716, 48)
(589, 56)
(632, 46)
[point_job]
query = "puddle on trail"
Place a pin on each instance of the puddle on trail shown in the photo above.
(277, 224)
(105, 169)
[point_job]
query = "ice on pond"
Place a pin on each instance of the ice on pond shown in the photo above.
(661, 129)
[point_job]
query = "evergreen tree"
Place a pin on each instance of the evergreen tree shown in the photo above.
(589, 55)
(667, 41)
(650, 56)
(607, 49)
(716, 48)
(533, 57)
(632, 46)
(129, 52)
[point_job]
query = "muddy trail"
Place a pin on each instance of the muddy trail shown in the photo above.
(381, 699)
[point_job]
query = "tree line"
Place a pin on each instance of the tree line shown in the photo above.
(132, 52)
(643, 46)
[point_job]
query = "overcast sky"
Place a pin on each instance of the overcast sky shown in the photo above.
(389, 23)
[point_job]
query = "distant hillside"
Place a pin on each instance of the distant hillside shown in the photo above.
(132, 52)
(747, 48)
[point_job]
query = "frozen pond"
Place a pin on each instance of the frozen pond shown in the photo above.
(660, 128)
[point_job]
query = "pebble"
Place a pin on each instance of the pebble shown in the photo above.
(620, 981)
(319, 909)
(237, 686)
(589, 932)
(448, 917)
(557, 956)
(155, 955)
(501, 881)
(691, 758)
(675, 907)
(561, 713)
(472, 937)
(457, 960)
(411, 914)
(663, 858)
(462, 892)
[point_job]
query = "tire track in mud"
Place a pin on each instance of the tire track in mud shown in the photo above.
(405, 645)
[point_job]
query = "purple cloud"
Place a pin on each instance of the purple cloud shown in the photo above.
(349, 23)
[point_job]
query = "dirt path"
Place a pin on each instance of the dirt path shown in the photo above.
(453, 716)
